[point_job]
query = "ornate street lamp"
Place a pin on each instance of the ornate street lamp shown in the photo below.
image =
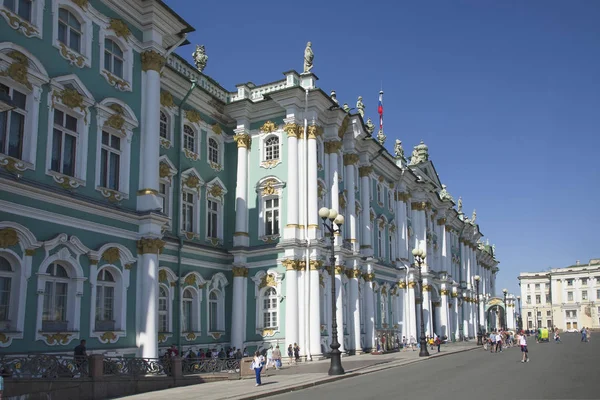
(520, 320)
(479, 334)
(325, 213)
(419, 255)
(505, 291)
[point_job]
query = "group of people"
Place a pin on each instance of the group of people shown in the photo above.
(497, 339)
(585, 334)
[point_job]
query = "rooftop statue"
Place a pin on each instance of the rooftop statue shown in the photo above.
(398, 150)
(474, 216)
(370, 126)
(420, 154)
(460, 205)
(346, 107)
(381, 137)
(200, 57)
(334, 97)
(444, 195)
(414, 157)
(308, 58)
(360, 107)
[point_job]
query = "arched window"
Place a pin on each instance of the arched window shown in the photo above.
(213, 151)
(54, 317)
(187, 309)
(105, 301)
(163, 309)
(69, 30)
(270, 308)
(23, 8)
(6, 281)
(384, 312)
(113, 58)
(189, 138)
(213, 311)
(164, 126)
(272, 148)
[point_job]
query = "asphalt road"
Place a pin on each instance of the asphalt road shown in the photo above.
(556, 371)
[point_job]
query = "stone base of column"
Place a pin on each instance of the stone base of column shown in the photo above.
(147, 202)
(290, 232)
(241, 239)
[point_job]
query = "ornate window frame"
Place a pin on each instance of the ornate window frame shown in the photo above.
(384, 306)
(263, 280)
(124, 84)
(69, 95)
(267, 131)
(116, 118)
(170, 110)
(25, 73)
(218, 137)
(18, 248)
(269, 188)
(191, 182)
(166, 171)
(33, 28)
(382, 239)
(168, 280)
(218, 283)
(117, 259)
(192, 119)
(68, 256)
(215, 191)
(195, 282)
(83, 59)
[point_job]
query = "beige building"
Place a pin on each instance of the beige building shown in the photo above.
(566, 298)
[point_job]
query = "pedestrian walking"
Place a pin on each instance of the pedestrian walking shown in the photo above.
(290, 352)
(257, 366)
(277, 357)
(556, 337)
(438, 343)
(523, 344)
(583, 334)
(296, 352)
(588, 334)
(269, 358)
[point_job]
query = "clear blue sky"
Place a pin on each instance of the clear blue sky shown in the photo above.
(506, 94)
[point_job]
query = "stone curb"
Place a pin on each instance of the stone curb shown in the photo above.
(364, 371)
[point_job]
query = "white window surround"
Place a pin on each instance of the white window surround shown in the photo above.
(166, 172)
(210, 134)
(191, 183)
(83, 126)
(262, 147)
(264, 280)
(215, 191)
(33, 28)
(171, 114)
(124, 84)
(194, 282)
(36, 76)
(192, 155)
(217, 284)
(269, 188)
(168, 280)
(108, 120)
(122, 277)
(83, 59)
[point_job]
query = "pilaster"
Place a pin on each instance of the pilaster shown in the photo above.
(241, 236)
(238, 306)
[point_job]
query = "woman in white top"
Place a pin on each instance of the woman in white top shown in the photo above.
(523, 344)
(257, 366)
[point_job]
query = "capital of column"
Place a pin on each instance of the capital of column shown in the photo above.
(402, 285)
(332, 146)
(240, 272)
(315, 265)
(152, 61)
(353, 273)
(292, 129)
(150, 246)
(314, 131)
(441, 221)
(368, 277)
(419, 205)
(412, 284)
(365, 171)
(339, 269)
(351, 159)
(243, 140)
(427, 288)
(401, 196)
(444, 292)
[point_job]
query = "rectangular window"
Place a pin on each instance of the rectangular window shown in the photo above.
(187, 212)
(55, 302)
(162, 194)
(4, 297)
(539, 314)
(529, 314)
(549, 323)
(584, 295)
(597, 294)
(538, 299)
(569, 296)
(569, 282)
(213, 315)
(213, 219)
(20, 7)
(64, 143)
(186, 323)
(380, 243)
(530, 324)
(390, 247)
(69, 30)
(548, 313)
(163, 321)
(110, 160)
(272, 217)
(568, 325)
(189, 139)
(104, 303)
(12, 124)
(584, 281)
(528, 299)
(537, 286)
(575, 325)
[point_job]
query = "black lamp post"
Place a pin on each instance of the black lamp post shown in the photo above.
(505, 292)
(520, 320)
(479, 334)
(325, 213)
(419, 256)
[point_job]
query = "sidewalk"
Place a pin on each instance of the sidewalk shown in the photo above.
(299, 376)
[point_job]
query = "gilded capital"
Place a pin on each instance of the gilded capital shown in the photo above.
(150, 246)
(369, 277)
(353, 273)
(240, 272)
(289, 264)
(292, 130)
(350, 159)
(419, 206)
(454, 295)
(314, 131)
(315, 265)
(411, 285)
(441, 221)
(402, 285)
(427, 288)
(333, 146)
(339, 269)
(365, 171)
(243, 140)
(444, 292)
(151, 60)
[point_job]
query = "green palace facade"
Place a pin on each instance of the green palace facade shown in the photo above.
(142, 205)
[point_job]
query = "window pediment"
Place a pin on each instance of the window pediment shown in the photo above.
(166, 169)
(216, 189)
(191, 179)
(270, 186)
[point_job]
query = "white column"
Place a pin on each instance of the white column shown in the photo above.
(148, 249)
(302, 339)
(354, 307)
(152, 62)
(465, 315)
(315, 310)
(445, 248)
(350, 182)
(292, 189)
(238, 324)
(313, 197)
(369, 309)
(419, 221)
(412, 312)
(334, 190)
(444, 314)
(240, 236)
(339, 305)
(456, 315)
(427, 308)
(365, 187)
(401, 217)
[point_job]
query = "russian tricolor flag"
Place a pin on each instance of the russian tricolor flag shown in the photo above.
(380, 109)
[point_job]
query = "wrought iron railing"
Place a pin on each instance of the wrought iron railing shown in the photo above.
(129, 366)
(210, 365)
(43, 366)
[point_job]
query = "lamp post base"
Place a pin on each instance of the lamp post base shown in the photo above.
(423, 349)
(335, 368)
(479, 339)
